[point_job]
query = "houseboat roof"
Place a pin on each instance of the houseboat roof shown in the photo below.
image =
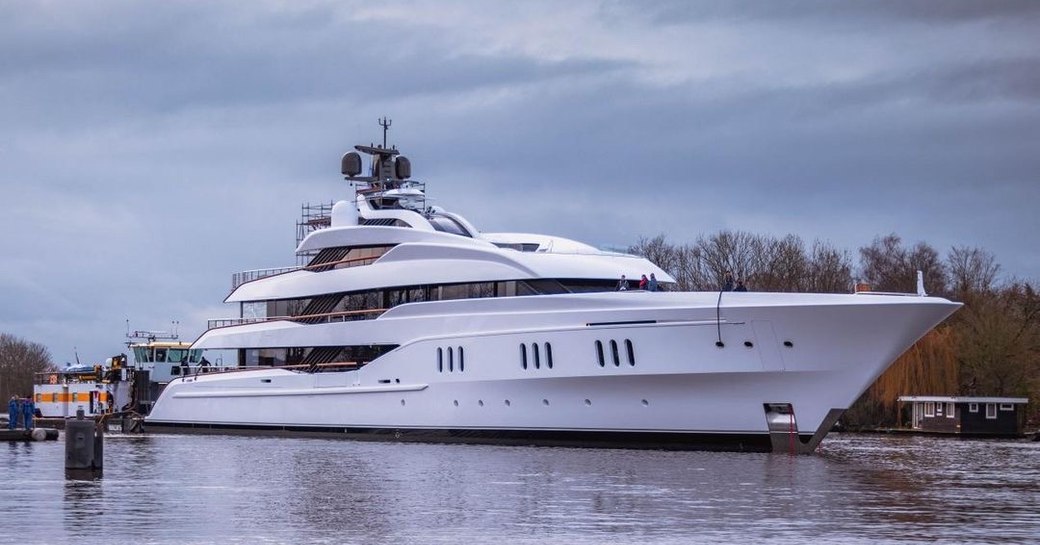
(965, 399)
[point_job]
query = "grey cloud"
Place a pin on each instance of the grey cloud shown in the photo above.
(855, 11)
(151, 150)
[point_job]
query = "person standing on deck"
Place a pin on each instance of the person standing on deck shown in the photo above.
(652, 284)
(14, 409)
(28, 410)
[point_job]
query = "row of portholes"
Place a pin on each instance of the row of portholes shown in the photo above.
(535, 356)
(450, 361)
(615, 356)
(507, 403)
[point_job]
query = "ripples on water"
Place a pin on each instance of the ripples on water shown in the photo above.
(168, 489)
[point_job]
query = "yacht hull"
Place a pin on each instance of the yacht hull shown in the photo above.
(750, 372)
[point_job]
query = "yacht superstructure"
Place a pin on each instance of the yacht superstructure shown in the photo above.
(407, 323)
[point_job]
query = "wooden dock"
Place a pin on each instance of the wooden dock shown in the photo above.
(36, 434)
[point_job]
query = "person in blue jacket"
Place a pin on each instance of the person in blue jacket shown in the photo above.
(28, 411)
(14, 408)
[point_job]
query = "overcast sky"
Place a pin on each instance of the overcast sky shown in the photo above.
(148, 150)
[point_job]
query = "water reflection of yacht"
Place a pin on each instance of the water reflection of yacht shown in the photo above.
(407, 323)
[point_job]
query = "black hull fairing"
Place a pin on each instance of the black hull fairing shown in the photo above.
(718, 442)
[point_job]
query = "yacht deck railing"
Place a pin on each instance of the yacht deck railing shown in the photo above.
(327, 317)
(239, 278)
(312, 367)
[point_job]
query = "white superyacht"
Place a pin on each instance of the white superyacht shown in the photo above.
(407, 323)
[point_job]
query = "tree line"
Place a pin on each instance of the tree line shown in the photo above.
(19, 360)
(990, 347)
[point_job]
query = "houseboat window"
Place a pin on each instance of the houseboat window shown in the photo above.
(949, 410)
(939, 409)
(973, 407)
(991, 410)
(1007, 407)
(160, 355)
(929, 408)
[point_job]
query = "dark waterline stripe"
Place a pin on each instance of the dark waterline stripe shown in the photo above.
(736, 442)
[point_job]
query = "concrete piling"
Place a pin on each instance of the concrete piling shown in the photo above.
(84, 448)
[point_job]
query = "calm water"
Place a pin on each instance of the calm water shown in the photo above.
(213, 489)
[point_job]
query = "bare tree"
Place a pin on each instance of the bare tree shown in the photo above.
(656, 250)
(19, 360)
(783, 265)
(830, 269)
(972, 271)
(738, 252)
(887, 266)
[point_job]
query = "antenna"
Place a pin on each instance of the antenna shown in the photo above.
(385, 123)
(76, 352)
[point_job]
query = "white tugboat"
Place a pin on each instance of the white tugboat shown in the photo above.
(407, 323)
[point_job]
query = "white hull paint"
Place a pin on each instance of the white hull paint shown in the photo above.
(678, 381)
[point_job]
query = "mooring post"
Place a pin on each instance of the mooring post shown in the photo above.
(84, 448)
